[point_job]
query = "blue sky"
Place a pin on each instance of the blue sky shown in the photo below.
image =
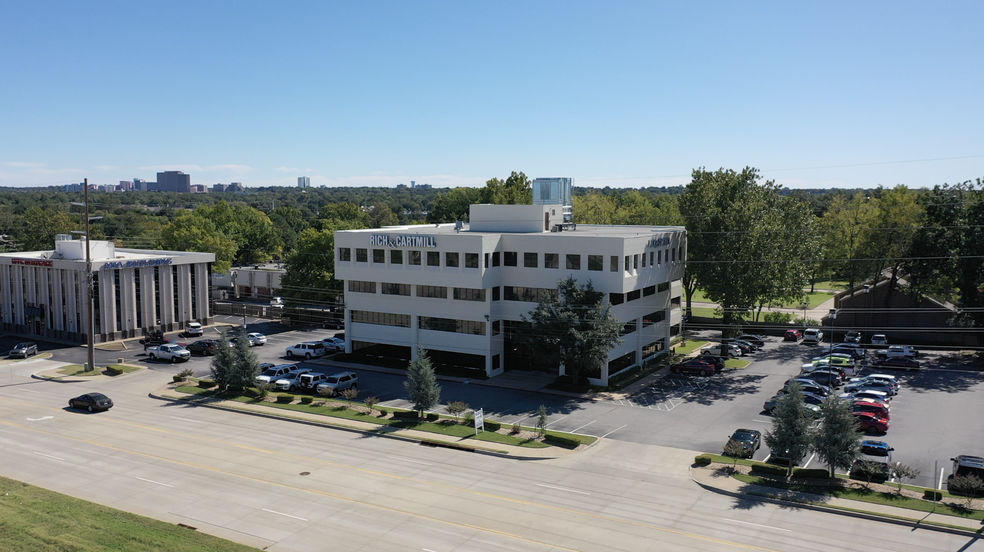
(621, 94)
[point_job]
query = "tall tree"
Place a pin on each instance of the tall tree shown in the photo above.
(899, 218)
(310, 273)
(42, 224)
(836, 440)
(454, 205)
(191, 232)
(517, 189)
(289, 222)
(245, 366)
(790, 432)
(223, 364)
(421, 384)
(574, 328)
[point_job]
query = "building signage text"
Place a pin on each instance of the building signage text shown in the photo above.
(30, 262)
(136, 264)
(659, 242)
(402, 241)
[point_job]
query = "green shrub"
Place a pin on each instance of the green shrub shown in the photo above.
(307, 399)
(516, 428)
(492, 425)
(206, 384)
(773, 317)
(769, 470)
(804, 473)
(405, 414)
(113, 371)
(562, 440)
(285, 398)
(702, 460)
(383, 412)
(930, 494)
(177, 378)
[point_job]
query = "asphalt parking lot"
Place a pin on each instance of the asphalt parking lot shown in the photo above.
(937, 414)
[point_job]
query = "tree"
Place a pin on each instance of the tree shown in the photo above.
(836, 440)
(850, 223)
(191, 232)
(245, 366)
(790, 426)
(967, 485)
(868, 470)
(736, 450)
(574, 329)
(421, 384)
(903, 473)
(517, 189)
(746, 243)
(541, 421)
(453, 206)
(223, 364)
(310, 273)
(289, 222)
(41, 225)
(455, 408)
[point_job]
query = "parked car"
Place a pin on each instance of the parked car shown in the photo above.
(813, 335)
(194, 329)
(902, 363)
(153, 337)
(731, 351)
(23, 350)
(258, 338)
(333, 344)
(336, 383)
(965, 465)
(291, 380)
(825, 377)
(893, 383)
(808, 398)
(853, 336)
(869, 385)
(810, 368)
(334, 323)
(204, 347)
(308, 350)
(91, 402)
(745, 346)
(871, 423)
(277, 302)
(808, 386)
(793, 335)
(249, 340)
(878, 452)
(311, 380)
(749, 439)
(716, 362)
(273, 373)
(757, 340)
(876, 409)
(856, 351)
(693, 367)
(834, 360)
(172, 352)
(879, 339)
(895, 351)
(869, 394)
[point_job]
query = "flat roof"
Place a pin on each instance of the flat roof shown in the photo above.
(447, 229)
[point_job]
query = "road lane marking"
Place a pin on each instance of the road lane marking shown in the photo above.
(584, 426)
(400, 458)
(759, 525)
(41, 418)
(562, 489)
(186, 420)
(555, 421)
(613, 431)
(155, 482)
(291, 438)
(283, 514)
(50, 456)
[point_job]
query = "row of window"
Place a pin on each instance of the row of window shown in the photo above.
(512, 293)
(619, 298)
(473, 327)
(511, 258)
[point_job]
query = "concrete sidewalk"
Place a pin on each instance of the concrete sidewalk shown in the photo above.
(716, 478)
(169, 392)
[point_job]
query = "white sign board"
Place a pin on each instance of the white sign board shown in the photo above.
(479, 420)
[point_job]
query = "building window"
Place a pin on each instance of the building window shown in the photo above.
(628, 263)
(469, 294)
(621, 363)
(415, 258)
(674, 254)
(681, 253)
(395, 289)
(614, 263)
(551, 260)
(596, 262)
(486, 260)
(495, 327)
(573, 262)
(510, 258)
(451, 260)
(361, 287)
(627, 328)
(648, 290)
(344, 254)
(651, 349)
(659, 257)
(495, 362)
(652, 255)
(495, 258)
(471, 260)
(396, 256)
(381, 318)
(632, 295)
(378, 256)
(530, 260)
(644, 260)
(635, 262)
(451, 325)
(653, 318)
(529, 294)
(616, 298)
(433, 258)
(495, 293)
(437, 292)
(361, 255)
(663, 287)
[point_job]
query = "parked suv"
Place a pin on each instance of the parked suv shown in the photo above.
(721, 351)
(308, 349)
(193, 329)
(793, 335)
(853, 336)
(879, 339)
(23, 350)
(272, 374)
(337, 383)
(311, 380)
(813, 335)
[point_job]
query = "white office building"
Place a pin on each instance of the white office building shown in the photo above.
(42, 293)
(459, 290)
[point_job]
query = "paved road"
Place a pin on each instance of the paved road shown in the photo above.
(290, 486)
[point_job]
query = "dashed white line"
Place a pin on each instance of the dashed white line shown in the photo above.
(31, 391)
(400, 458)
(758, 525)
(186, 420)
(584, 426)
(292, 439)
(155, 482)
(49, 456)
(612, 431)
(40, 419)
(283, 514)
(562, 489)
(555, 421)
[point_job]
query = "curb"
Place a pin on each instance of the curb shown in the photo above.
(333, 425)
(860, 514)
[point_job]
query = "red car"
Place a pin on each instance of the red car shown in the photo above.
(695, 367)
(871, 423)
(903, 363)
(793, 335)
(871, 408)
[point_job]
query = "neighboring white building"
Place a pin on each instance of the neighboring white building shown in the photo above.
(42, 293)
(459, 290)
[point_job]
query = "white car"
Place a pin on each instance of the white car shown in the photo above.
(895, 351)
(732, 351)
(274, 373)
(257, 338)
(333, 344)
(308, 350)
(812, 335)
(292, 380)
(194, 329)
(879, 339)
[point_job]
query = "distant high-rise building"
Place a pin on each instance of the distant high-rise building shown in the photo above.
(218, 187)
(140, 184)
(235, 187)
(303, 181)
(125, 185)
(173, 181)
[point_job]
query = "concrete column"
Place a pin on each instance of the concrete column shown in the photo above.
(148, 308)
(167, 292)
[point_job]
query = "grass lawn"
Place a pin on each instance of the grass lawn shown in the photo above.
(691, 346)
(78, 370)
(35, 519)
(340, 409)
(816, 299)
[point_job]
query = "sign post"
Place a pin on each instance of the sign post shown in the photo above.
(479, 420)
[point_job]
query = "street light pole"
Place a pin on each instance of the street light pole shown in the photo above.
(833, 316)
(89, 315)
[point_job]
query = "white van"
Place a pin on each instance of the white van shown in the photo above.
(812, 335)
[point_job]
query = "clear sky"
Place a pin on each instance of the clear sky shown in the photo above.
(621, 94)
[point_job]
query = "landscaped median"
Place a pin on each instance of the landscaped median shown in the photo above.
(814, 486)
(78, 370)
(458, 431)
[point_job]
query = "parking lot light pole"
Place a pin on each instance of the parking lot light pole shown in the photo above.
(833, 316)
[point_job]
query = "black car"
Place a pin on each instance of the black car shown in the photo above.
(23, 350)
(828, 378)
(91, 402)
(334, 323)
(742, 344)
(757, 340)
(749, 439)
(716, 362)
(205, 347)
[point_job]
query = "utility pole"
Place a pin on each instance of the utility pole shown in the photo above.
(89, 318)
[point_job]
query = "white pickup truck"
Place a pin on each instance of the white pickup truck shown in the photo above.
(169, 351)
(895, 351)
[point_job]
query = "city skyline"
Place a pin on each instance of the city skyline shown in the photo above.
(633, 95)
